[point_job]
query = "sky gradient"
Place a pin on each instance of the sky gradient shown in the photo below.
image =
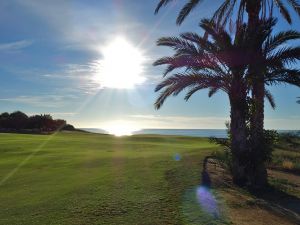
(49, 49)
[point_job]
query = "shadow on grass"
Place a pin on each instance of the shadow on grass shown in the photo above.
(195, 201)
(202, 204)
(205, 181)
(273, 199)
(280, 202)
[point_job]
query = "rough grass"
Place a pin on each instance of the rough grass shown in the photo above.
(286, 156)
(81, 178)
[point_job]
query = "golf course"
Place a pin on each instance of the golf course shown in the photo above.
(85, 178)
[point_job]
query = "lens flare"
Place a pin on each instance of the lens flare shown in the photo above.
(177, 157)
(207, 201)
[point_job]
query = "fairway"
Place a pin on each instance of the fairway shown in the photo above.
(83, 178)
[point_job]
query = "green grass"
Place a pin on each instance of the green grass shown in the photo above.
(81, 178)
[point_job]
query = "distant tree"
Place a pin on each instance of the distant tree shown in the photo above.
(48, 123)
(69, 127)
(37, 123)
(4, 120)
(34, 122)
(59, 124)
(4, 115)
(18, 120)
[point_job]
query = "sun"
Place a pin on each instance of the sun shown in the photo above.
(122, 65)
(121, 128)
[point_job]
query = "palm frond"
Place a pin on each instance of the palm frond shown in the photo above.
(283, 10)
(290, 76)
(296, 5)
(262, 32)
(177, 62)
(219, 16)
(281, 38)
(202, 42)
(241, 11)
(284, 56)
(192, 91)
(218, 34)
(178, 82)
(185, 11)
(194, 62)
(162, 3)
(177, 44)
(270, 98)
(212, 91)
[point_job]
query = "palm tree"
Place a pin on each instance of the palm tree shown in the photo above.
(216, 64)
(272, 65)
(256, 10)
(222, 63)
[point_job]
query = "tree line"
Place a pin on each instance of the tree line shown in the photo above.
(240, 57)
(20, 122)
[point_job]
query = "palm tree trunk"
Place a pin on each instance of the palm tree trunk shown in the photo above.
(257, 171)
(238, 132)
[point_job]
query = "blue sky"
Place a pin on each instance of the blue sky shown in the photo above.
(48, 49)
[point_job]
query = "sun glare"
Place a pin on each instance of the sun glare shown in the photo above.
(121, 66)
(121, 129)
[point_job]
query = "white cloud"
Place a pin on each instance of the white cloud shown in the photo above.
(289, 123)
(85, 76)
(51, 101)
(187, 122)
(15, 46)
(55, 114)
(80, 26)
(202, 122)
(80, 78)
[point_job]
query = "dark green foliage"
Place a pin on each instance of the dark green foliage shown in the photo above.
(16, 120)
(19, 121)
(271, 138)
(224, 155)
(69, 127)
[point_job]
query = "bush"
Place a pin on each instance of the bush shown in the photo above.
(271, 138)
(223, 155)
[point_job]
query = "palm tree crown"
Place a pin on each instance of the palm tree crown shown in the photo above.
(225, 11)
(207, 63)
(213, 63)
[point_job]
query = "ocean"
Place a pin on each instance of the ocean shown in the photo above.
(218, 133)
